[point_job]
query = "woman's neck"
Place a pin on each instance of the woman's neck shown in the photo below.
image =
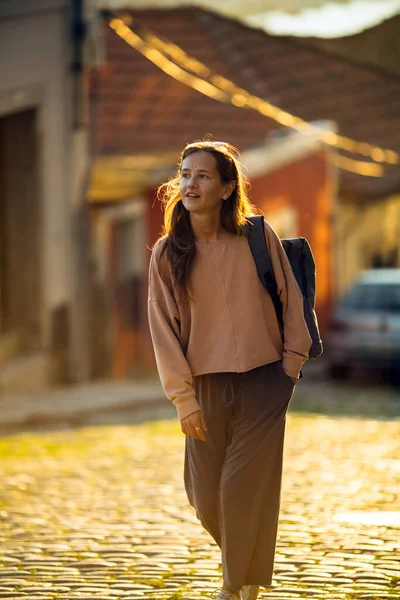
(206, 228)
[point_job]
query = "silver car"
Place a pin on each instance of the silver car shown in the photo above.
(365, 329)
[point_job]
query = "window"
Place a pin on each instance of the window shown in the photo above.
(365, 296)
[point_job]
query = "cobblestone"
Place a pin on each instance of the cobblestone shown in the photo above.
(101, 513)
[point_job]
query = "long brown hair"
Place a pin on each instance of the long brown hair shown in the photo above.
(179, 237)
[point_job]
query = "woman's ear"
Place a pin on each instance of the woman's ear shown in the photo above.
(229, 189)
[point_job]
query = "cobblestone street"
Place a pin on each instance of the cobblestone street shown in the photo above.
(101, 512)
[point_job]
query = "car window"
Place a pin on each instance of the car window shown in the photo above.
(373, 297)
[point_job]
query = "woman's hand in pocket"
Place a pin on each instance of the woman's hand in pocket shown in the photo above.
(194, 426)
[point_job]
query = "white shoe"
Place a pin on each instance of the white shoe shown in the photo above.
(225, 595)
(249, 592)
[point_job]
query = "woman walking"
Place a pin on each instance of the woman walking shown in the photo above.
(222, 360)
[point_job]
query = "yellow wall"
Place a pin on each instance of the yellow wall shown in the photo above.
(363, 232)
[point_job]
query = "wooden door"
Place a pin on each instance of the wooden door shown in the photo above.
(20, 222)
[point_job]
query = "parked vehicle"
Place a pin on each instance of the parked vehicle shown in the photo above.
(365, 329)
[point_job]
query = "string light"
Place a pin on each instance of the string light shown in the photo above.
(224, 90)
(157, 58)
(357, 166)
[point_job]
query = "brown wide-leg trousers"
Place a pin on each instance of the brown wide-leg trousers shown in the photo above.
(233, 480)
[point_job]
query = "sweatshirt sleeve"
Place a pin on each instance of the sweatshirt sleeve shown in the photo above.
(173, 369)
(297, 340)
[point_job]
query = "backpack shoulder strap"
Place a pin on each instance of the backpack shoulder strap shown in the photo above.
(258, 247)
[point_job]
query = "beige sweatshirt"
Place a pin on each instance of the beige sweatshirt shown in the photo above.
(231, 324)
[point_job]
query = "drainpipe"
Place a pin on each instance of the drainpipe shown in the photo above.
(78, 30)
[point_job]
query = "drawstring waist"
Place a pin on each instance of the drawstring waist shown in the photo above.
(233, 380)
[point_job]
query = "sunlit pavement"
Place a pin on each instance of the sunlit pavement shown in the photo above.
(101, 512)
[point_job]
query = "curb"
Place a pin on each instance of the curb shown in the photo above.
(77, 405)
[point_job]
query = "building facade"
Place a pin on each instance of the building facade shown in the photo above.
(44, 159)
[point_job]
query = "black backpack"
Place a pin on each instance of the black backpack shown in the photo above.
(303, 265)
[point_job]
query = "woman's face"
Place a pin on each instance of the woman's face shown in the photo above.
(201, 187)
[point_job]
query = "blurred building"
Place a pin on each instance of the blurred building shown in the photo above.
(368, 224)
(44, 162)
(144, 117)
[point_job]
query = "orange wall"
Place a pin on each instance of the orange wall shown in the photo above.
(306, 186)
(155, 217)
